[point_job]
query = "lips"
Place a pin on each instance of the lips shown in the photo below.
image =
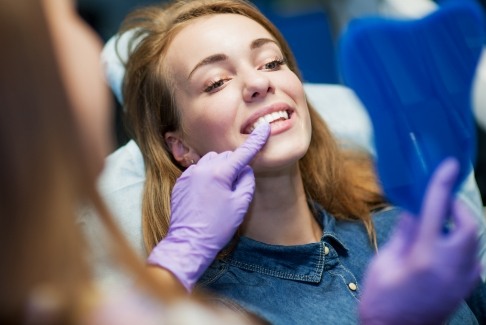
(270, 114)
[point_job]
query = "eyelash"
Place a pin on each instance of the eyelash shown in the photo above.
(215, 84)
(278, 62)
(218, 83)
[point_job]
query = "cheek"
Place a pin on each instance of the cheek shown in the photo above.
(294, 88)
(211, 124)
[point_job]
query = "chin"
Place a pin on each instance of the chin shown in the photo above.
(279, 158)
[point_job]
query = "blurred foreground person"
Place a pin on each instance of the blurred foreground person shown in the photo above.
(55, 127)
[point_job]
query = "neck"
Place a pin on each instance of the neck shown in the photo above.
(279, 213)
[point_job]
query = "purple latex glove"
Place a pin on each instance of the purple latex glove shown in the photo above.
(422, 274)
(208, 204)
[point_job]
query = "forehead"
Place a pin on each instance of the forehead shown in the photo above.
(208, 35)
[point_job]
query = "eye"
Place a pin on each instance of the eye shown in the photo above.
(214, 85)
(273, 65)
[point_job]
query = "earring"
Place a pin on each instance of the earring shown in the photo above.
(192, 162)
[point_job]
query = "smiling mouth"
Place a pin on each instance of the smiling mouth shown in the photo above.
(270, 118)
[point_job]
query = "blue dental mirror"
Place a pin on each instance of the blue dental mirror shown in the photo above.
(415, 79)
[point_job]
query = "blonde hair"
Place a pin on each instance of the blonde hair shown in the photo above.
(342, 182)
(44, 179)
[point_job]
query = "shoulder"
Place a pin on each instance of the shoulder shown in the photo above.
(354, 232)
(384, 221)
(213, 273)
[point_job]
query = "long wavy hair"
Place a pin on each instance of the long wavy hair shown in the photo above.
(344, 183)
(45, 177)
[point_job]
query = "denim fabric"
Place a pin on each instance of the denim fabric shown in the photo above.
(305, 284)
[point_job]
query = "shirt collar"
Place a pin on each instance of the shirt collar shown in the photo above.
(299, 262)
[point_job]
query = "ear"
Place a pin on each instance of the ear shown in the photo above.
(182, 153)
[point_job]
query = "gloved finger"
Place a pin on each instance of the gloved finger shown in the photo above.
(474, 278)
(464, 232)
(404, 234)
(244, 154)
(437, 201)
(209, 156)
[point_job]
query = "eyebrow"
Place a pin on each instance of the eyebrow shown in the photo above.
(259, 42)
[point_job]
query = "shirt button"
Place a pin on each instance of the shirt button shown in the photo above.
(352, 286)
(326, 250)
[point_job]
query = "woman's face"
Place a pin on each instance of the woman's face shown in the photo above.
(230, 74)
(78, 52)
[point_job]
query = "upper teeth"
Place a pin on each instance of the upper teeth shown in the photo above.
(269, 118)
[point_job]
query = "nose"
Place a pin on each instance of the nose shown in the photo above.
(257, 85)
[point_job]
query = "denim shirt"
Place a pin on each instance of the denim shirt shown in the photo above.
(317, 283)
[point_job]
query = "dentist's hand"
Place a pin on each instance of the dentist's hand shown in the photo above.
(422, 274)
(208, 204)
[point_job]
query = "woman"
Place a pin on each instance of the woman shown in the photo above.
(203, 76)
